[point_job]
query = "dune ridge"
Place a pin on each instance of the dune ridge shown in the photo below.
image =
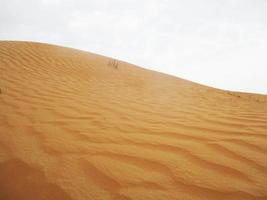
(76, 125)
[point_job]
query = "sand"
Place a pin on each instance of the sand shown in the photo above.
(75, 125)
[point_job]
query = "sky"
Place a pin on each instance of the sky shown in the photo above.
(219, 43)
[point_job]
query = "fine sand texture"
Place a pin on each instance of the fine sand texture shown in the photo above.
(79, 126)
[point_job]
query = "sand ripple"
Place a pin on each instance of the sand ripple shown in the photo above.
(72, 126)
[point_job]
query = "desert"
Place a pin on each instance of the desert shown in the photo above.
(77, 125)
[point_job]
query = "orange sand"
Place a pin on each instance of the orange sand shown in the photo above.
(73, 126)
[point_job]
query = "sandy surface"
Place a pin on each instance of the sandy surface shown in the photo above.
(74, 125)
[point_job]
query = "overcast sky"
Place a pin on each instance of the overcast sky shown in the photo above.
(220, 43)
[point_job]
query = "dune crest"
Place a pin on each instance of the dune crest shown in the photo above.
(75, 125)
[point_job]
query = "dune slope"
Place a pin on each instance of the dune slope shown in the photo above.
(75, 125)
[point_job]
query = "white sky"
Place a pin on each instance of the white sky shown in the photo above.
(220, 43)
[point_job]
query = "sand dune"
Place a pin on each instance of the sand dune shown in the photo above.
(75, 125)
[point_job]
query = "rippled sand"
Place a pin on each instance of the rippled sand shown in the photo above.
(75, 125)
